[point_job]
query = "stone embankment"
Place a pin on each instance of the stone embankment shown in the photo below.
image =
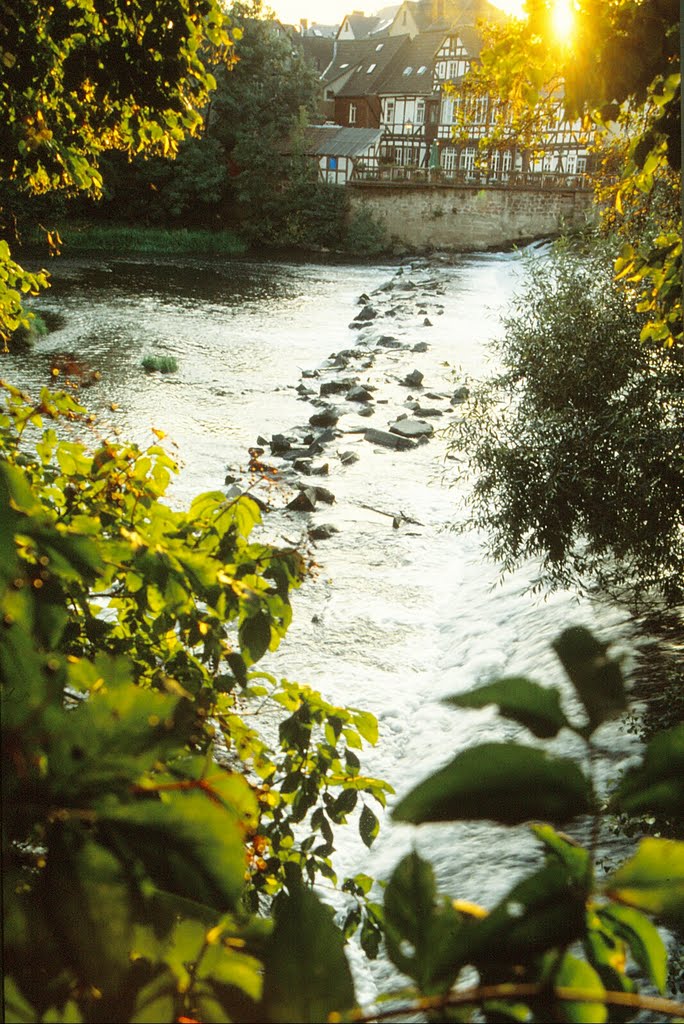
(372, 392)
(469, 218)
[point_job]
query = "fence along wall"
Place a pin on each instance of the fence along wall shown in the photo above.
(468, 218)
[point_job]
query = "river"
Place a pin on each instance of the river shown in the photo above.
(395, 618)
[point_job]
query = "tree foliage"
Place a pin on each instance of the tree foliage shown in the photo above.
(82, 77)
(575, 445)
(158, 791)
(618, 71)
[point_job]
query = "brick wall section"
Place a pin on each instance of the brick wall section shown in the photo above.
(469, 218)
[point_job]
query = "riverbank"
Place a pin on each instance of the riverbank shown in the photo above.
(365, 241)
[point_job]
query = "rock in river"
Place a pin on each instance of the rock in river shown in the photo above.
(325, 418)
(388, 440)
(412, 428)
(414, 379)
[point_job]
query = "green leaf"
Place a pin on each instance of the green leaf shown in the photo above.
(87, 897)
(108, 741)
(597, 679)
(652, 880)
(547, 910)
(643, 939)
(155, 1003)
(534, 706)
(225, 966)
(255, 636)
(17, 1009)
(574, 857)
(657, 785)
(369, 826)
(187, 844)
(422, 935)
(306, 974)
(574, 973)
(367, 724)
(500, 782)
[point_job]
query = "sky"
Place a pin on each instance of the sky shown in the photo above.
(331, 12)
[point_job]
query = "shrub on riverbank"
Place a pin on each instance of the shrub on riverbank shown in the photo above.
(576, 445)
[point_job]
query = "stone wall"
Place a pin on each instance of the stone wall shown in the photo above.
(467, 218)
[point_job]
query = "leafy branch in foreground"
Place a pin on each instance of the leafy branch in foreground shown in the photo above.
(564, 943)
(134, 861)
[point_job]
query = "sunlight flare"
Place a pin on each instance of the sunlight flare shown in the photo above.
(563, 20)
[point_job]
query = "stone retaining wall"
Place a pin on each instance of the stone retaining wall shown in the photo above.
(466, 218)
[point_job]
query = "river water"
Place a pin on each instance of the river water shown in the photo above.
(394, 618)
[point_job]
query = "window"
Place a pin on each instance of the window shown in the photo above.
(343, 66)
(422, 69)
(352, 113)
(371, 68)
(448, 159)
(389, 112)
(379, 47)
(407, 71)
(329, 94)
(420, 112)
(467, 161)
(332, 163)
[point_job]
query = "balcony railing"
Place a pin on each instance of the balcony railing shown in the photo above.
(370, 171)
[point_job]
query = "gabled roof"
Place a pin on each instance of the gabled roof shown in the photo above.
(368, 62)
(411, 72)
(360, 24)
(420, 12)
(334, 140)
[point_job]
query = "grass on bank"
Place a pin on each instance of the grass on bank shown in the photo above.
(152, 241)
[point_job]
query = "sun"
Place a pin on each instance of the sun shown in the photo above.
(563, 19)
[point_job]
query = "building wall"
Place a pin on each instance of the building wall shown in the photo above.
(466, 219)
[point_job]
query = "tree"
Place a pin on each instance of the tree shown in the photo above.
(575, 445)
(619, 71)
(577, 440)
(83, 77)
(258, 113)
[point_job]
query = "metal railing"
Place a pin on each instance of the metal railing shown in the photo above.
(370, 172)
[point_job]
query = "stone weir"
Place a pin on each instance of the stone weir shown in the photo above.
(376, 378)
(467, 218)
